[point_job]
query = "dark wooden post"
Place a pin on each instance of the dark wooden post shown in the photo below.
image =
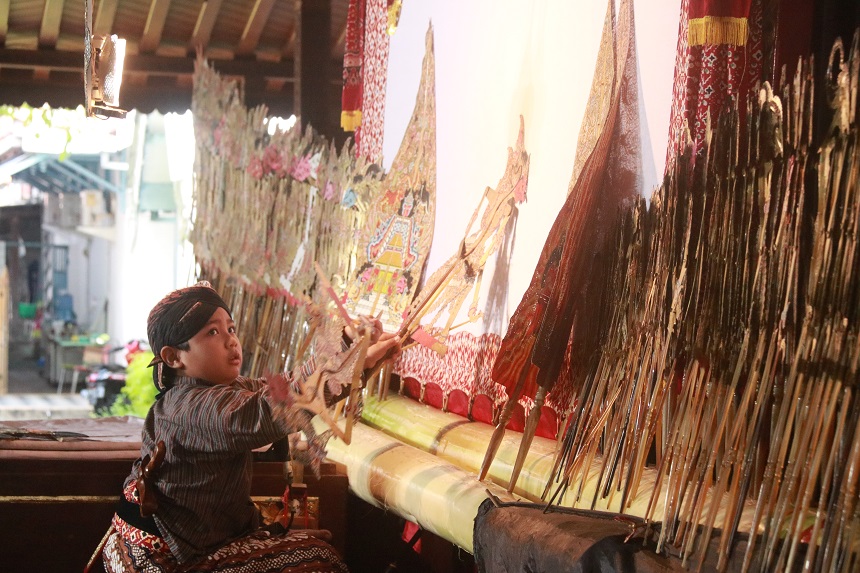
(313, 62)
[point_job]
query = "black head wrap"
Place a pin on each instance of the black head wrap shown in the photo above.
(175, 320)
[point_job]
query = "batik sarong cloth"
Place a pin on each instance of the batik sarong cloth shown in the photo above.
(131, 550)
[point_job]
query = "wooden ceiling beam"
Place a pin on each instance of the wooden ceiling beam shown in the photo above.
(154, 26)
(254, 27)
(4, 20)
(204, 25)
(105, 16)
(144, 63)
(68, 94)
(155, 64)
(289, 48)
(51, 17)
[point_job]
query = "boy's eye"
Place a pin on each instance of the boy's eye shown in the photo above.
(213, 331)
(232, 330)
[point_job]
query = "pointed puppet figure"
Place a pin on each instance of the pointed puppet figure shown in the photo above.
(399, 228)
(555, 324)
(448, 287)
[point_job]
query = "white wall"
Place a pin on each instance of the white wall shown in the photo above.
(89, 267)
(151, 256)
(495, 60)
(148, 261)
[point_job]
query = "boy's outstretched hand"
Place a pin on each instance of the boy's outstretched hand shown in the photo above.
(386, 345)
(383, 345)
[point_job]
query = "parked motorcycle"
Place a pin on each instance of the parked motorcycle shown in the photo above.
(106, 383)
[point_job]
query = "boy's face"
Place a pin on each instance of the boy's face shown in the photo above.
(214, 353)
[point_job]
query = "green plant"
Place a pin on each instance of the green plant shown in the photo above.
(139, 392)
(42, 119)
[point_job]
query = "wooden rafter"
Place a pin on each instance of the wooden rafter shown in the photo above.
(142, 63)
(154, 25)
(41, 61)
(204, 25)
(4, 20)
(254, 27)
(289, 48)
(50, 29)
(105, 17)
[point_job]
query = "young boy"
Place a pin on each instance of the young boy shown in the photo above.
(209, 419)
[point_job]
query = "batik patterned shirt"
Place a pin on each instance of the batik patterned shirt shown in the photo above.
(204, 483)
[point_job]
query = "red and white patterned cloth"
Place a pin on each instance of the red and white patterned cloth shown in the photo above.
(466, 365)
(465, 373)
(353, 57)
(719, 56)
(369, 136)
(365, 72)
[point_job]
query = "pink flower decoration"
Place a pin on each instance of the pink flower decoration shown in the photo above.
(302, 169)
(401, 285)
(255, 168)
(328, 192)
(272, 160)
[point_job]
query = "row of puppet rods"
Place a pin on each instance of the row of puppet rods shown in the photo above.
(272, 326)
(729, 361)
(268, 228)
(730, 356)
